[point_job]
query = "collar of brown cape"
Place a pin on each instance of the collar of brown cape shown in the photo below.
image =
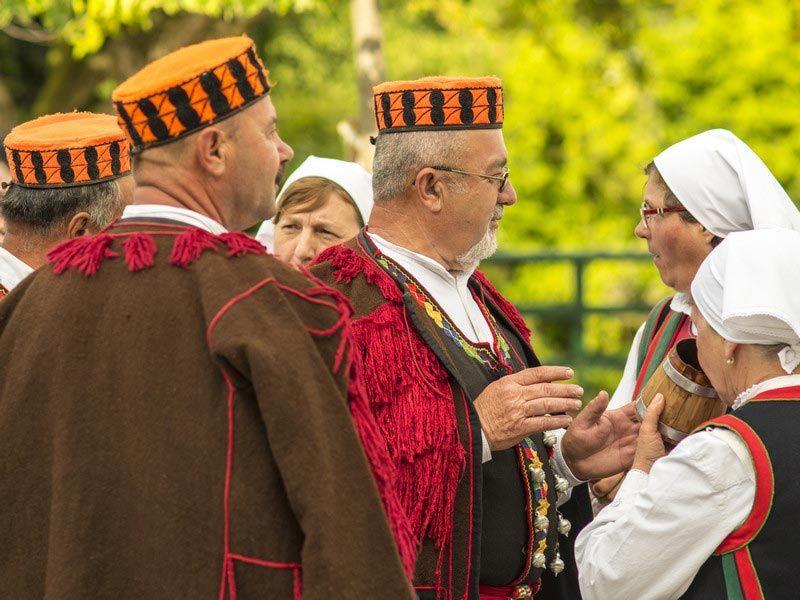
(138, 247)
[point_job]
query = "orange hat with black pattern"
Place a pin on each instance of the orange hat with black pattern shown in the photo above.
(439, 103)
(189, 89)
(67, 149)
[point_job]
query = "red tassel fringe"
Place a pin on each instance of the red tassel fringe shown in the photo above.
(84, 254)
(240, 244)
(347, 264)
(139, 250)
(410, 396)
(190, 244)
(508, 309)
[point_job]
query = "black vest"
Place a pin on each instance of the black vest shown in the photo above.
(757, 560)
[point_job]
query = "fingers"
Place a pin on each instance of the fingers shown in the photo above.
(595, 409)
(650, 422)
(543, 374)
(602, 487)
(548, 405)
(546, 423)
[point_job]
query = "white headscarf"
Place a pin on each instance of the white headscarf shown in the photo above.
(352, 177)
(725, 185)
(747, 290)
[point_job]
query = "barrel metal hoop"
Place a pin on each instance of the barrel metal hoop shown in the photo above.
(687, 384)
(668, 432)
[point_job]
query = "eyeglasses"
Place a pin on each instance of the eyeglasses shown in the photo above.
(502, 178)
(645, 212)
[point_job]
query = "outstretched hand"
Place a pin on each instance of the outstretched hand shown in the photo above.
(599, 443)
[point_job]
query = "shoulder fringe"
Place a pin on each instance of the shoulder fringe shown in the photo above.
(409, 394)
(509, 310)
(85, 254)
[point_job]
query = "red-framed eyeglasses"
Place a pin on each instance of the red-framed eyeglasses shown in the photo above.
(645, 212)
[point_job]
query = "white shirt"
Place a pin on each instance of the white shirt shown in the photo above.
(453, 295)
(174, 213)
(12, 270)
(652, 539)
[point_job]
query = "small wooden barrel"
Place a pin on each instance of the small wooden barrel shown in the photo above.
(689, 399)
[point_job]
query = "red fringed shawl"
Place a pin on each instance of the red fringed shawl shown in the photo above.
(410, 395)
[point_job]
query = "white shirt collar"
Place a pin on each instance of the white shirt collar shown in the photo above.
(12, 270)
(770, 384)
(175, 213)
(404, 256)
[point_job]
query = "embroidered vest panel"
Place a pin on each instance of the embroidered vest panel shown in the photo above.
(759, 562)
(659, 336)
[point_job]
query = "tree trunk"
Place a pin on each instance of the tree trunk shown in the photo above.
(370, 70)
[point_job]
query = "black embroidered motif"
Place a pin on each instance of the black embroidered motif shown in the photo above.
(242, 84)
(465, 100)
(157, 126)
(212, 86)
(136, 138)
(65, 162)
(184, 110)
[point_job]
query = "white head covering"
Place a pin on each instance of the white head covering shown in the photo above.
(352, 177)
(725, 185)
(747, 290)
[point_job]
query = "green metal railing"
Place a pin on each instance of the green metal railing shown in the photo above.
(577, 309)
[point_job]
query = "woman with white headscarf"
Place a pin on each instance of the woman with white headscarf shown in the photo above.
(698, 192)
(323, 203)
(717, 517)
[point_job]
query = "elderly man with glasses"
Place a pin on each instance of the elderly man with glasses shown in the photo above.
(461, 398)
(697, 192)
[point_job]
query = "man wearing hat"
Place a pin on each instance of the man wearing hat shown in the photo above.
(70, 176)
(698, 191)
(190, 434)
(451, 376)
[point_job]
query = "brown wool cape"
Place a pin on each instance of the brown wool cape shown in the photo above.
(174, 424)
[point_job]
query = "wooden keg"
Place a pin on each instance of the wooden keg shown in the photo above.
(689, 399)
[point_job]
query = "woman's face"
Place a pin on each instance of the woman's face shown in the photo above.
(301, 235)
(711, 354)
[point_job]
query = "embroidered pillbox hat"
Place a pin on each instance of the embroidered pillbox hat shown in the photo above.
(439, 104)
(67, 149)
(189, 89)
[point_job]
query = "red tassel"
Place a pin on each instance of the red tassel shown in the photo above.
(84, 254)
(190, 244)
(240, 244)
(508, 309)
(411, 399)
(139, 250)
(348, 263)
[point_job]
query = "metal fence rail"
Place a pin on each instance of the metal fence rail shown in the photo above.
(576, 310)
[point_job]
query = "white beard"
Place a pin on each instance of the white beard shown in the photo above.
(487, 246)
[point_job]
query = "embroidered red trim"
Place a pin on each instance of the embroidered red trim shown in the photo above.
(765, 484)
(788, 393)
(748, 578)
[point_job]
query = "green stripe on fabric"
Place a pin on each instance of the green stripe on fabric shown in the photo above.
(647, 333)
(732, 585)
(668, 329)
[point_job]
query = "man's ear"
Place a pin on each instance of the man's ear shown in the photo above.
(430, 189)
(212, 150)
(78, 225)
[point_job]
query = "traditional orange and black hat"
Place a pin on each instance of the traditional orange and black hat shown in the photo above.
(189, 89)
(439, 103)
(67, 149)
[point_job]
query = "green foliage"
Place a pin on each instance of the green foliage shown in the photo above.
(593, 91)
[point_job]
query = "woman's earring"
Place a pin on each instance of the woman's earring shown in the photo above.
(730, 361)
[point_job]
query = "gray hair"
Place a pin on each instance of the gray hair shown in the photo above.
(44, 210)
(400, 156)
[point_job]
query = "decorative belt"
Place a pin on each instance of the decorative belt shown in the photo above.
(517, 592)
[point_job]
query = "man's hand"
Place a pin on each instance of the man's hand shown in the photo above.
(599, 442)
(606, 489)
(523, 403)
(650, 446)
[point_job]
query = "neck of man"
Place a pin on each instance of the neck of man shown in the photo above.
(28, 247)
(409, 232)
(175, 186)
